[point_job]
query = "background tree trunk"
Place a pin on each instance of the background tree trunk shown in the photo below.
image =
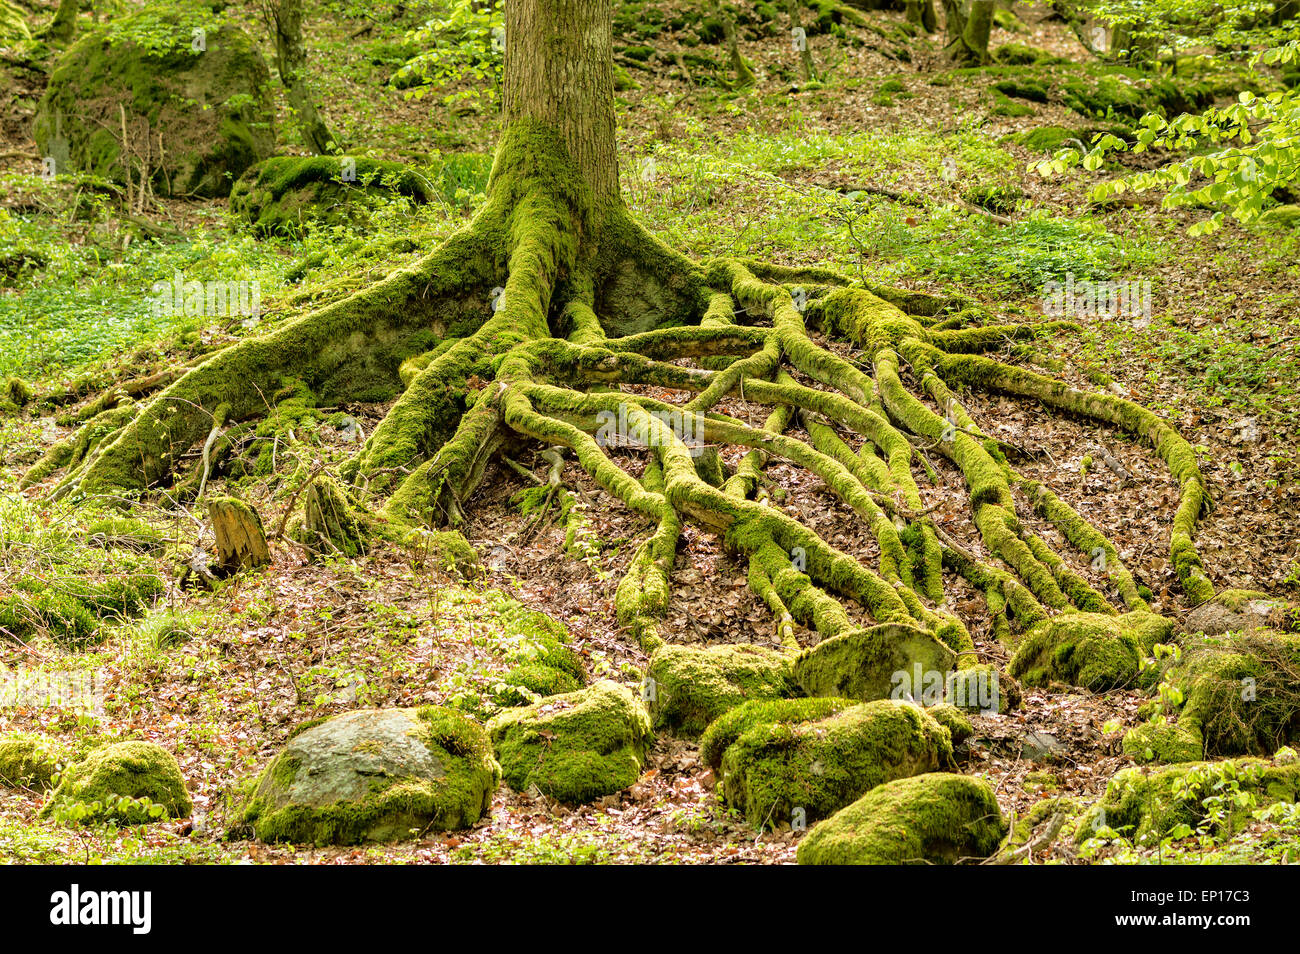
(559, 70)
(967, 29)
(284, 21)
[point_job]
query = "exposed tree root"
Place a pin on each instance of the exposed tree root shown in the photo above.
(547, 319)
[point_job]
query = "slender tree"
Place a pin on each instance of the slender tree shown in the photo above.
(539, 321)
(283, 20)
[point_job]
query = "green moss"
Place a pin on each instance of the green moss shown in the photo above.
(1166, 742)
(1239, 691)
(729, 726)
(1144, 804)
(687, 687)
(1031, 90)
(1091, 650)
(865, 663)
(210, 111)
(16, 391)
(934, 818)
(28, 760)
(307, 795)
(121, 770)
(539, 679)
(574, 747)
(771, 771)
(287, 195)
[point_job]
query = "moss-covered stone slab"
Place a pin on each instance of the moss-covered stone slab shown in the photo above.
(785, 772)
(121, 781)
(30, 761)
(1238, 611)
(863, 663)
(1146, 803)
(576, 746)
(287, 195)
(731, 725)
(1091, 650)
(935, 818)
(687, 687)
(375, 775)
(211, 107)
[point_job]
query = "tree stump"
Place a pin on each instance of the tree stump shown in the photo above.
(241, 542)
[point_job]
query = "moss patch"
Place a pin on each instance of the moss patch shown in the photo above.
(785, 771)
(935, 818)
(688, 687)
(574, 747)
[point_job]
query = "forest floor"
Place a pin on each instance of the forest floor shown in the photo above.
(879, 169)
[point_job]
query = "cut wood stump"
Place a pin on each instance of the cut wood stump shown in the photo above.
(241, 542)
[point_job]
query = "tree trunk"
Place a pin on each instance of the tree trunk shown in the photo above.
(284, 20)
(967, 29)
(64, 25)
(559, 70)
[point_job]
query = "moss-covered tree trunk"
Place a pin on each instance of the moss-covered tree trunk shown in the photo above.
(284, 20)
(551, 319)
(967, 29)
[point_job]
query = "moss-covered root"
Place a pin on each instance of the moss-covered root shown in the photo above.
(803, 772)
(133, 783)
(935, 818)
(978, 371)
(349, 350)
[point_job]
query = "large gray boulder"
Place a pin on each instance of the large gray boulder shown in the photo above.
(375, 775)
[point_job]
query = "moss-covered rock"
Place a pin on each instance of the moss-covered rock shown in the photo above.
(1144, 804)
(936, 818)
(1239, 693)
(121, 781)
(779, 772)
(1019, 54)
(864, 663)
(1282, 217)
(954, 720)
(538, 679)
(1239, 611)
(574, 747)
(375, 775)
(210, 107)
(31, 761)
(287, 195)
(729, 726)
(1162, 741)
(1091, 650)
(1049, 138)
(687, 687)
